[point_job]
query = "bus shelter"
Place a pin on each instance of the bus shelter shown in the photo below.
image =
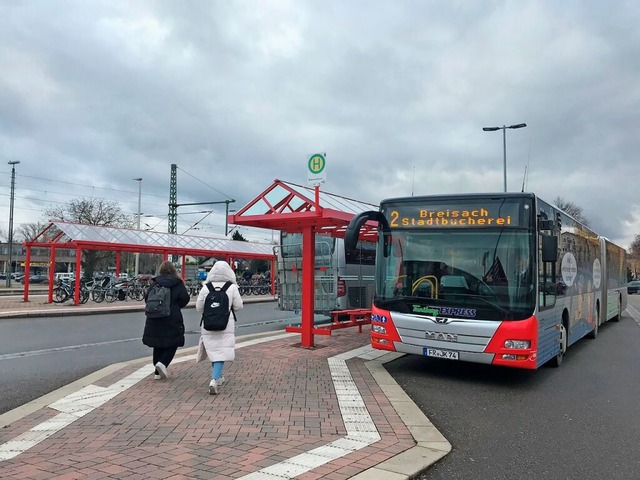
(308, 210)
(79, 237)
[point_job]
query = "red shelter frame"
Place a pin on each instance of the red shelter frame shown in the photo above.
(80, 237)
(298, 209)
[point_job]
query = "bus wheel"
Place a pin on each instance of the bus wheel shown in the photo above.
(557, 360)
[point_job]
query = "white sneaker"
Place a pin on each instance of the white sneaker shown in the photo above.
(157, 376)
(220, 381)
(162, 370)
(213, 387)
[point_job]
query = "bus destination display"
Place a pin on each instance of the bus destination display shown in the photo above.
(469, 215)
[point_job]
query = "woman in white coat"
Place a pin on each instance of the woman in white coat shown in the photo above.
(220, 346)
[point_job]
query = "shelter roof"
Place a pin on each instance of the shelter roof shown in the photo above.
(95, 237)
(291, 207)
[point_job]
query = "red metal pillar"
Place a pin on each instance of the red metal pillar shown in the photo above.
(308, 284)
(52, 273)
(76, 294)
(27, 274)
(184, 266)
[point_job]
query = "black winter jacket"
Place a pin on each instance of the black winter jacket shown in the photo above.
(169, 331)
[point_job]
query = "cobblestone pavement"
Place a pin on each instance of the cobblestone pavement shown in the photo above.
(328, 412)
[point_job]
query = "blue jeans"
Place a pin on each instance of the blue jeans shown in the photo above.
(216, 370)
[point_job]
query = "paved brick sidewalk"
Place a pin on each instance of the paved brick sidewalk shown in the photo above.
(329, 412)
(285, 412)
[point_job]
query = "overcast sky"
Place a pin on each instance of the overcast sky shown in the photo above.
(237, 94)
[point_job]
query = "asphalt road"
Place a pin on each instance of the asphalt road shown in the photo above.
(39, 355)
(580, 421)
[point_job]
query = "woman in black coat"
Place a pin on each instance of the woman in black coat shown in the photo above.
(166, 334)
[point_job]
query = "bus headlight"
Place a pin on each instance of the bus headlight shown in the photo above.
(379, 329)
(517, 344)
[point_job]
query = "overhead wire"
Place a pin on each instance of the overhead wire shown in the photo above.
(162, 217)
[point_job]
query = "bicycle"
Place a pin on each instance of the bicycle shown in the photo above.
(244, 287)
(64, 292)
(115, 292)
(99, 289)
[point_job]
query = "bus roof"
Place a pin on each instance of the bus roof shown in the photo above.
(458, 196)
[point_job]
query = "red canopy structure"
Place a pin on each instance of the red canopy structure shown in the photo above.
(308, 210)
(75, 236)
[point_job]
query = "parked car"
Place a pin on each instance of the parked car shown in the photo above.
(65, 277)
(34, 278)
(633, 286)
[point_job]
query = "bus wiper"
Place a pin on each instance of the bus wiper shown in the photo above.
(386, 302)
(502, 310)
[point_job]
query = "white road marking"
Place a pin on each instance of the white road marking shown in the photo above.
(635, 314)
(361, 430)
(78, 404)
(31, 353)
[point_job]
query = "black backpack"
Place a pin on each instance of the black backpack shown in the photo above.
(215, 315)
(158, 302)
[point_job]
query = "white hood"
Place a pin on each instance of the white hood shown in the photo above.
(221, 272)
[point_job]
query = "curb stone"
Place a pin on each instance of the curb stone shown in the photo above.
(431, 445)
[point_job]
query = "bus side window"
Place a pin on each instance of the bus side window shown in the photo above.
(546, 285)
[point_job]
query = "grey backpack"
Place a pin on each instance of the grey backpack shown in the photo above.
(158, 302)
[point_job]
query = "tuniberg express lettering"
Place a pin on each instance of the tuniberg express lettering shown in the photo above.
(447, 218)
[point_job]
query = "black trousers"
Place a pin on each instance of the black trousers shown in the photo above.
(164, 355)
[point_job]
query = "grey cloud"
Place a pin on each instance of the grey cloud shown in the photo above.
(238, 94)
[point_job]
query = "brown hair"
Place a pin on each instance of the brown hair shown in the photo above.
(167, 268)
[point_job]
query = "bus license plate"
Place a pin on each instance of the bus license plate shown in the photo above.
(437, 353)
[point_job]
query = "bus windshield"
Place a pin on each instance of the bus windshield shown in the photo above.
(485, 274)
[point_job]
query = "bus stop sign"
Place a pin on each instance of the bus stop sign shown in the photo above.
(316, 171)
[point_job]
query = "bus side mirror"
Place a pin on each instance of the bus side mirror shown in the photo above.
(352, 232)
(550, 248)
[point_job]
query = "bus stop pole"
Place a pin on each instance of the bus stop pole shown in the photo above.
(308, 290)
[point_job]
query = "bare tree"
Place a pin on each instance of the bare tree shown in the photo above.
(28, 231)
(633, 258)
(3, 236)
(572, 209)
(92, 211)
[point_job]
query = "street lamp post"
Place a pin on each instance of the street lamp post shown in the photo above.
(504, 144)
(13, 183)
(139, 180)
